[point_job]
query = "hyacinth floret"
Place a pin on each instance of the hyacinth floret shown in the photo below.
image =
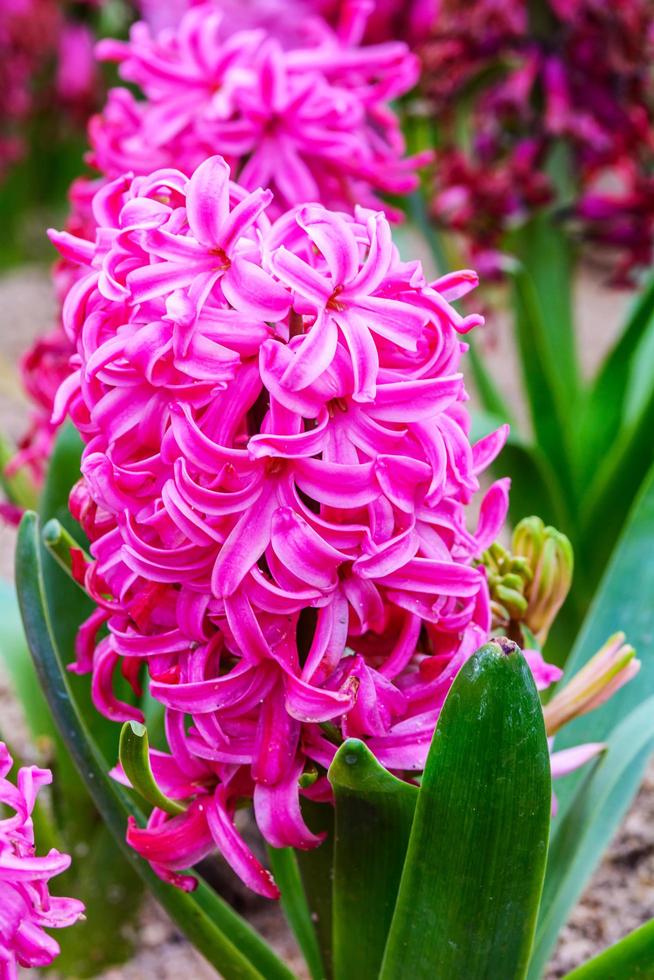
(26, 907)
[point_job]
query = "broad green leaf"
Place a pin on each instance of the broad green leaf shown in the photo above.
(604, 409)
(545, 250)
(134, 755)
(630, 959)
(16, 658)
(286, 872)
(19, 487)
(73, 813)
(549, 398)
(580, 837)
(490, 396)
(469, 894)
(316, 871)
(622, 602)
(374, 813)
(70, 606)
(615, 486)
(221, 935)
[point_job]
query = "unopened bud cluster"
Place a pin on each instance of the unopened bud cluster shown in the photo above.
(529, 582)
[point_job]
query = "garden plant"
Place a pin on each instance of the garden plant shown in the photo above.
(297, 603)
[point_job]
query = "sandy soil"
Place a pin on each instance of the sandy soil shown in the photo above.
(621, 895)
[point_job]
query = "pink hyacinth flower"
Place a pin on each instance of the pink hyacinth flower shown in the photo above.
(27, 908)
(275, 483)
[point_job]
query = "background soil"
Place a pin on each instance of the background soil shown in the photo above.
(620, 896)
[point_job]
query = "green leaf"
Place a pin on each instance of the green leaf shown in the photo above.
(15, 655)
(589, 823)
(549, 398)
(316, 871)
(473, 874)
(374, 813)
(604, 408)
(622, 602)
(221, 935)
(60, 544)
(134, 755)
(546, 252)
(490, 396)
(286, 872)
(618, 479)
(630, 959)
(69, 604)
(19, 487)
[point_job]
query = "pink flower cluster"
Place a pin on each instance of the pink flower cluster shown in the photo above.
(556, 72)
(388, 20)
(275, 483)
(289, 101)
(298, 107)
(26, 907)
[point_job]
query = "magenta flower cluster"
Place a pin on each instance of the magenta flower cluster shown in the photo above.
(26, 907)
(290, 101)
(275, 483)
(296, 106)
(541, 75)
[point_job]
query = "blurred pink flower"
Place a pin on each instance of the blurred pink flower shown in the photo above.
(275, 483)
(577, 73)
(26, 907)
(76, 78)
(304, 112)
(291, 103)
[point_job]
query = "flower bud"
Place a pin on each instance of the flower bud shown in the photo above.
(550, 556)
(603, 675)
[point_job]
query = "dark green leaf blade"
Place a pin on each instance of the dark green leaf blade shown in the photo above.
(221, 935)
(545, 250)
(286, 872)
(473, 874)
(589, 823)
(549, 399)
(621, 472)
(316, 871)
(374, 813)
(622, 602)
(603, 411)
(630, 959)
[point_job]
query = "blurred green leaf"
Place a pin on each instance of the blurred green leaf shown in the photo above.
(221, 935)
(286, 872)
(374, 813)
(490, 396)
(473, 874)
(549, 397)
(69, 604)
(622, 602)
(580, 837)
(604, 409)
(630, 959)
(15, 655)
(616, 484)
(546, 251)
